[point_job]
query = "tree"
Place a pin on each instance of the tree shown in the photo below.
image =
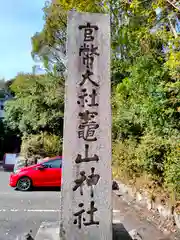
(37, 106)
(145, 80)
(49, 45)
(146, 93)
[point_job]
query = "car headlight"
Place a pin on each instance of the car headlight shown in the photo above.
(17, 171)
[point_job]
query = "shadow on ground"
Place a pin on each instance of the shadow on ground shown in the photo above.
(43, 189)
(40, 189)
(120, 233)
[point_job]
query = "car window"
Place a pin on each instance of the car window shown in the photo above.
(20, 163)
(55, 163)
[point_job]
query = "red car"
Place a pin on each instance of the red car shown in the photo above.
(44, 174)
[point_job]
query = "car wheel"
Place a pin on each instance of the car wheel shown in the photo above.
(24, 184)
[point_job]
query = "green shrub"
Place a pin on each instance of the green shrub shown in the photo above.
(52, 145)
(151, 155)
(40, 146)
(124, 159)
(154, 157)
(172, 169)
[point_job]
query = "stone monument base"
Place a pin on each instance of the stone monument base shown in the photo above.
(50, 231)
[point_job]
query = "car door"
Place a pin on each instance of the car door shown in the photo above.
(56, 165)
(42, 177)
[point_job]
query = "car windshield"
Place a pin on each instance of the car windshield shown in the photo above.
(20, 163)
(41, 160)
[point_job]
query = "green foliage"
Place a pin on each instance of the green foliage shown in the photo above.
(138, 99)
(49, 45)
(124, 159)
(42, 145)
(172, 167)
(145, 81)
(38, 104)
(146, 97)
(151, 154)
(148, 155)
(154, 156)
(145, 88)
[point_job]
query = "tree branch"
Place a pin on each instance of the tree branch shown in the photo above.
(172, 3)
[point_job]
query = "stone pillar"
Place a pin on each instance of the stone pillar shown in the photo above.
(86, 204)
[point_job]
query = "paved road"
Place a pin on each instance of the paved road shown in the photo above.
(24, 211)
(21, 212)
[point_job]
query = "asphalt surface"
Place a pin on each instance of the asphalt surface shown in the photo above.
(21, 212)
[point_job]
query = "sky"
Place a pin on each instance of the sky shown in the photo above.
(19, 21)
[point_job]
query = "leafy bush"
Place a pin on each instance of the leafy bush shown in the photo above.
(40, 146)
(172, 168)
(154, 157)
(38, 104)
(124, 159)
(151, 154)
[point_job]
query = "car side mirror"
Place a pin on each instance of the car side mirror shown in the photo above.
(41, 167)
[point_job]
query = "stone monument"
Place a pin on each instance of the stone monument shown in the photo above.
(86, 202)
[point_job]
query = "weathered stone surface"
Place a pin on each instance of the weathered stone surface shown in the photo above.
(164, 211)
(25, 236)
(87, 183)
(177, 219)
(144, 200)
(48, 231)
(135, 235)
(115, 186)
